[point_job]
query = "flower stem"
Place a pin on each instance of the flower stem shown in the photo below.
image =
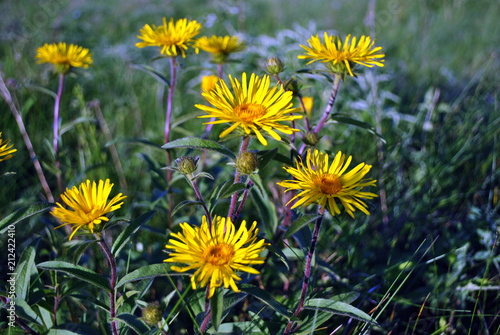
(307, 271)
(112, 282)
(328, 109)
(56, 131)
(4, 92)
(220, 68)
(245, 195)
(200, 197)
(244, 146)
(173, 79)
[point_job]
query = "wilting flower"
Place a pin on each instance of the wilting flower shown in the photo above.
(322, 184)
(89, 204)
(5, 149)
(64, 57)
(216, 254)
(220, 47)
(340, 58)
(172, 38)
(254, 107)
(308, 104)
(208, 83)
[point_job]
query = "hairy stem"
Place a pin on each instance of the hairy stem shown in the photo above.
(328, 109)
(112, 282)
(245, 195)
(200, 197)
(244, 146)
(307, 271)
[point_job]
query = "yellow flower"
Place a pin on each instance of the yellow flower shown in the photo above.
(323, 184)
(208, 83)
(220, 47)
(308, 104)
(64, 57)
(339, 58)
(173, 38)
(216, 255)
(89, 204)
(254, 107)
(5, 149)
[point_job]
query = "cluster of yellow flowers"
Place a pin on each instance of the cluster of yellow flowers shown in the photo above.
(253, 108)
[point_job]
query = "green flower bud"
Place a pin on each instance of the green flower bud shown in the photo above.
(186, 164)
(311, 138)
(152, 314)
(274, 66)
(246, 162)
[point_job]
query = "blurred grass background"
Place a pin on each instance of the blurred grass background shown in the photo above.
(435, 103)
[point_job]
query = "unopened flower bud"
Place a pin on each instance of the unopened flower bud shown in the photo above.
(246, 162)
(208, 83)
(274, 66)
(152, 314)
(186, 164)
(311, 138)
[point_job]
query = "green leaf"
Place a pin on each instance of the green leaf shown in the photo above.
(24, 269)
(266, 298)
(24, 214)
(234, 188)
(330, 79)
(82, 119)
(216, 307)
(202, 174)
(201, 144)
(24, 311)
(255, 178)
(92, 300)
(132, 140)
(61, 332)
(81, 248)
(361, 124)
(186, 203)
(133, 322)
(264, 157)
(150, 271)
(152, 72)
(277, 251)
(215, 196)
(42, 89)
(134, 226)
(299, 224)
(77, 271)
(338, 307)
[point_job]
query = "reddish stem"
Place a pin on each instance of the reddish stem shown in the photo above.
(112, 282)
(245, 195)
(328, 109)
(307, 271)
(244, 146)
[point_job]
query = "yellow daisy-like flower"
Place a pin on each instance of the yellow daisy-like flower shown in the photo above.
(216, 255)
(322, 184)
(339, 58)
(308, 104)
(89, 204)
(255, 107)
(173, 38)
(64, 57)
(208, 83)
(5, 149)
(220, 47)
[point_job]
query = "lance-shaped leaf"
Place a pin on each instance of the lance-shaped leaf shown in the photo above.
(24, 214)
(299, 224)
(338, 307)
(266, 298)
(150, 271)
(134, 226)
(361, 124)
(152, 72)
(201, 144)
(133, 322)
(186, 203)
(76, 271)
(216, 307)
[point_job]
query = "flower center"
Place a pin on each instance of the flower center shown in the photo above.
(219, 254)
(250, 112)
(328, 184)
